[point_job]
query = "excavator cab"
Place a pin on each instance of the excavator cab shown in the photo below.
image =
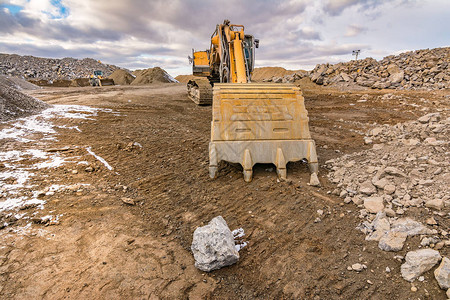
(200, 63)
(99, 74)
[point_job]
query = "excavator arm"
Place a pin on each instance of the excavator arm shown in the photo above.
(230, 59)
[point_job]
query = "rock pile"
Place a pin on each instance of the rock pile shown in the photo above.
(421, 69)
(14, 103)
(151, 75)
(408, 166)
(186, 78)
(270, 73)
(17, 83)
(287, 78)
(400, 184)
(121, 77)
(39, 68)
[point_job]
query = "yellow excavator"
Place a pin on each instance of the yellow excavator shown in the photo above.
(97, 79)
(251, 122)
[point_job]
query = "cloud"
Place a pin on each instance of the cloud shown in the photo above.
(335, 7)
(307, 33)
(295, 33)
(354, 30)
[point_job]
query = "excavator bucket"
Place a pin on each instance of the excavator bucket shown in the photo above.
(260, 123)
(107, 81)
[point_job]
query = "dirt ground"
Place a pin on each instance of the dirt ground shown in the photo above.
(102, 248)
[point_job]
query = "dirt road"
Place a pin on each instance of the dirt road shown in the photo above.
(156, 141)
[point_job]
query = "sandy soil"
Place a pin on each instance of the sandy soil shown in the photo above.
(102, 248)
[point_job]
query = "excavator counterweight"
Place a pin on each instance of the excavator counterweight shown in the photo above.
(251, 122)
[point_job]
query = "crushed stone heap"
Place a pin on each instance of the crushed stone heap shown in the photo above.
(17, 83)
(421, 69)
(151, 75)
(405, 174)
(16, 104)
(38, 68)
(402, 188)
(122, 77)
(408, 166)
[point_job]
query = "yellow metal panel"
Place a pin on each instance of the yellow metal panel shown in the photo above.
(201, 64)
(258, 112)
(241, 74)
(233, 77)
(201, 58)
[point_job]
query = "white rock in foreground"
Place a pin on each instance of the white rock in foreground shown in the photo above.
(435, 203)
(374, 204)
(418, 262)
(442, 274)
(380, 227)
(410, 227)
(392, 241)
(213, 246)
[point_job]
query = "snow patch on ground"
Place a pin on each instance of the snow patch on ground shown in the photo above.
(13, 203)
(41, 123)
(238, 234)
(170, 78)
(54, 162)
(16, 166)
(101, 159)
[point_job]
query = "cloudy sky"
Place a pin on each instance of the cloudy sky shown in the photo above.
(295, 34)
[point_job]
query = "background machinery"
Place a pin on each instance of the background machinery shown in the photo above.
(97, 79)
(251, 122)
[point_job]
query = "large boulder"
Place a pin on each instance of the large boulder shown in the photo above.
(374, 204)
(442, 274)
(410, 227)
(213, 246)
(392, 241)
(417, 262)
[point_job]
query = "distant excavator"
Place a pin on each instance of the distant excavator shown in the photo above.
(251, 122)
(97, 79)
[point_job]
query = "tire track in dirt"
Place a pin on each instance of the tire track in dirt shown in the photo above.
(146, 246)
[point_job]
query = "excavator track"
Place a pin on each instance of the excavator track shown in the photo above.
(200, 91)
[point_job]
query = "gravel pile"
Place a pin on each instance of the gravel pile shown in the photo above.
(16, 104)
(37, 68)
(151, 75)
(401, 185)
(17, 83)
(421, 69)
(121, 77)
(408, 166)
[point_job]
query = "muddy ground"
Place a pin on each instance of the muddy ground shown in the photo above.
(103, 248)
